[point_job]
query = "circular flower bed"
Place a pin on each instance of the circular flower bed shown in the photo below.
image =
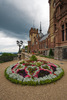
(33, 72)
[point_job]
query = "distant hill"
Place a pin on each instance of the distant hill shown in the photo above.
(7, 52)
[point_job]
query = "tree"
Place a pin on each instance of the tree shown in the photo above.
(26, 47)
(51, 53)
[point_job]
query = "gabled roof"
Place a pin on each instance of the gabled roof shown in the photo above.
(40, 34)
(44, 37)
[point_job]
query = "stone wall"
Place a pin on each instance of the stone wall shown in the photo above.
(64, 52)
(58, 53)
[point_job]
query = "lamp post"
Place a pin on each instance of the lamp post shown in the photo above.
(19, 43)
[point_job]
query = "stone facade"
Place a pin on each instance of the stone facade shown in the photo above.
(56, 38)
(58, 53)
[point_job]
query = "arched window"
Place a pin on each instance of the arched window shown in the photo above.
(63, 32)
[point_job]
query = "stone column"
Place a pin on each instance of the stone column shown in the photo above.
(23, 56)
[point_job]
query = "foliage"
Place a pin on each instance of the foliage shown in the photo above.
(9, 54)
(22, 62)
(50, 57)
(38, 52)
(26, 47)
(33, 74)
(51, 53)
(19, 67)
(38, 64)
(33, 58)
(7, 57)
(31, 70)
(46, 67)
(34, 83)
(43, 73)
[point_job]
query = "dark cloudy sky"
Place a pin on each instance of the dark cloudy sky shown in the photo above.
(16, 19)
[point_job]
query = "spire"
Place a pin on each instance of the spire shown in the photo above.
(40, 28)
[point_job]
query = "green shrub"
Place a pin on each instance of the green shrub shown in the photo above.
(38, 52)
(51, 53)
(33, 58)
(7, 57)
(22, 62)
(38, 64)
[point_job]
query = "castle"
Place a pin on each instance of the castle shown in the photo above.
(56, 38)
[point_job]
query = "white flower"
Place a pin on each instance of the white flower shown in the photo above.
(19, 78)
(49, 77)
(53, 76)
(27, 79)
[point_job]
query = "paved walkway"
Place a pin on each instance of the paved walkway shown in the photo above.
(53, 91)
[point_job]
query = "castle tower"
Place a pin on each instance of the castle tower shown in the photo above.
(32, 34)
(52, 9)
(52, 24)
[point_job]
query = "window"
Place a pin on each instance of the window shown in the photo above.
(62, 35)
(55, 27)
(62, 32)
(62, 26)
(44, 45)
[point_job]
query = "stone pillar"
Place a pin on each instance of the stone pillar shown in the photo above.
(23, 56)
(19, 56)
(58, 53)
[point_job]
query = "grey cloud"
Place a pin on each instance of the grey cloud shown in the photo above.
(15, 22)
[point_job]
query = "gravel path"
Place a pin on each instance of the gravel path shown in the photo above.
(53, 91)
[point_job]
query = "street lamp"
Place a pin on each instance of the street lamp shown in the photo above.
(19, 43)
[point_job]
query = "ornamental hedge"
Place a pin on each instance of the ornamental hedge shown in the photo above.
(37, 72)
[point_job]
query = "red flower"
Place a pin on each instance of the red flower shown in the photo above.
(23, 64)
(54, 74)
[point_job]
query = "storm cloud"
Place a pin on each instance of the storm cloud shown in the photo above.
(17, 16)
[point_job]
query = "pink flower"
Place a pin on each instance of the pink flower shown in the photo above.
(23, 64)
(26, 71)
(16, 65)
(12, 71)
(32, 65)
(35, 76)
(52, 65)
(18, 70)
(28, 76)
